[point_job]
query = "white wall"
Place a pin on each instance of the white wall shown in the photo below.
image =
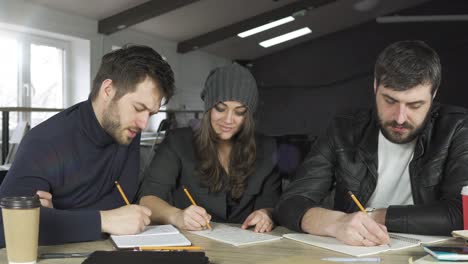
(87, 48)
(190, 69)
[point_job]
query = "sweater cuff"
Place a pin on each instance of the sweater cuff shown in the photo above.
(289, 212)
(58, 227)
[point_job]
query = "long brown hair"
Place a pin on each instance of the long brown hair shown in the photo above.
(241, 158)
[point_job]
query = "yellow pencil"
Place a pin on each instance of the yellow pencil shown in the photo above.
(357, 202)
(193, 202)
(361, 207)
(169, 248)
(122, 193)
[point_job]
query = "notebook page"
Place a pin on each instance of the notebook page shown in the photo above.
(358, 251)
(155, 240)
(234, 235)
(332, 243)
(156, 230)
(162, 235)
(402, 241)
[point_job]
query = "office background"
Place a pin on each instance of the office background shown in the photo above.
(302, 82)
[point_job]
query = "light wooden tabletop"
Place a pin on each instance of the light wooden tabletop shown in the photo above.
(282, 251)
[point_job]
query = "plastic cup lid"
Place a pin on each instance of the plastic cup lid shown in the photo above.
(20, 202)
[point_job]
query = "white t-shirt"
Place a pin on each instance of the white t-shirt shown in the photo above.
(393, 183)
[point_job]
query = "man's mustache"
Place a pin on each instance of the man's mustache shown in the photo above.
(395, 124)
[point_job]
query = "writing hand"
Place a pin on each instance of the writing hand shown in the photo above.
(358, 229)
(125, 220)
(192, 218)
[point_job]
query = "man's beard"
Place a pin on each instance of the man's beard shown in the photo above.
(398, 138)
(111, 124)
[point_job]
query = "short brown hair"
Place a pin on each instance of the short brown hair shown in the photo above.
(130, 65)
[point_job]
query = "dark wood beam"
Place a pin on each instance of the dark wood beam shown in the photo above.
(139, 14)
(233, 29)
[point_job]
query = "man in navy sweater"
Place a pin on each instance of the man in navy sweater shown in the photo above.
(73, 159)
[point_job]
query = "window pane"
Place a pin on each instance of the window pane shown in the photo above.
(46, 79)
(9, 54)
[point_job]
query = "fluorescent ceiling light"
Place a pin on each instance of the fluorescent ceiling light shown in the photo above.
(266, 27)
(432, 18)
(288, 36)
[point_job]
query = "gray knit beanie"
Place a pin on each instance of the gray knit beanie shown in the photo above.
(230, 83)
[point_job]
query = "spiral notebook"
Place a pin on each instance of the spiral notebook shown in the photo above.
(161, 235)
(397, 242)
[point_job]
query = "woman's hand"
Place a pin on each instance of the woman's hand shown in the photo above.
(192, 218)
(261, 219)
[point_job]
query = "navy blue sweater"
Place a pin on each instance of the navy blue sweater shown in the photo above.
(72, 157)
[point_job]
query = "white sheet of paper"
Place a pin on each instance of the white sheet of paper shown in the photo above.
(161, 235)
(234, 235)
(332, 243)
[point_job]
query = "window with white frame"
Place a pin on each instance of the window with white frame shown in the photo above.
(32, 74)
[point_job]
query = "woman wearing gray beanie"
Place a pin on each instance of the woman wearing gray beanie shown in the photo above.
(229, 170)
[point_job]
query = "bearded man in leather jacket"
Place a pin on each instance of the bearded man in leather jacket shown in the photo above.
(407, 157)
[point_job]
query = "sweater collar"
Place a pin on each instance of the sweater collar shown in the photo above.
(91, 126)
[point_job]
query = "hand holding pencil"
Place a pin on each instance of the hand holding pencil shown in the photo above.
(193, 217)
(359, 229)
(126, 220)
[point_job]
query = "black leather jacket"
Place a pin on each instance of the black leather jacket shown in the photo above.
(346, 160)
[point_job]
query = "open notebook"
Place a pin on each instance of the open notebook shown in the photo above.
(397, 242)
(234, 235)
(161, 235)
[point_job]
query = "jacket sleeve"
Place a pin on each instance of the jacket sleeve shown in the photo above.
(160, 177)
(271, 191)
(445, 215)
(36, 167)
(312, 182)
(271, 188)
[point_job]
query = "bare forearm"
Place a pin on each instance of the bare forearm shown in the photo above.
(320, 221)
(161, 211)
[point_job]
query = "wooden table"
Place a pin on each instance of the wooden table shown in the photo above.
(282, 251)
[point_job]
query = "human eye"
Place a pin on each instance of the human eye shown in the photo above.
(138, 108)
(389, 100)
(415, 106)
(240, 112)
(220, 108)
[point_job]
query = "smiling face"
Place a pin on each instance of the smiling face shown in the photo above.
(402, 114)
(124, 118)
(227, 119)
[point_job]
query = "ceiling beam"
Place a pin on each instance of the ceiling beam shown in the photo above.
(139, 14)
(258, 20)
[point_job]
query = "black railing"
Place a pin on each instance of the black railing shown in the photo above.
(6, 119)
